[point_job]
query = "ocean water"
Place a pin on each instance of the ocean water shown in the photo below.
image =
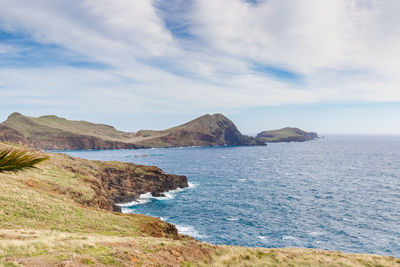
(336, 193)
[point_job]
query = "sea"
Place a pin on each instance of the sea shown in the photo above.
(336, 193)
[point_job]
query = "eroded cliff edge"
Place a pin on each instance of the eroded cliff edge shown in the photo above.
(104, 184)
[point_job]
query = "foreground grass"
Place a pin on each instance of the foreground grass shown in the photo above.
(44, 223)
(239, 256)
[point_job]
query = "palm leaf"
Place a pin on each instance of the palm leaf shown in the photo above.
(14, 160)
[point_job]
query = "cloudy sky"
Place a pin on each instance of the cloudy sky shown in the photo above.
(330, 66)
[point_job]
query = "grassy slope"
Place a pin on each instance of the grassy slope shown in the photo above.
(53, 125)
(41, 225)
(47, 127)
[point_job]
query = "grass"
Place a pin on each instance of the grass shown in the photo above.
(240, 256)
(43, 222)
(52, 126)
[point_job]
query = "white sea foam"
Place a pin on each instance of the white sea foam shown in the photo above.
(315, 234)
(146, 198)
(126, 210)
(169, 194)
(288, 237)
(242, 180)
(192, 185)
(188, 230)
(143, 199)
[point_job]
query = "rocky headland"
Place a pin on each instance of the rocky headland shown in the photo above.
(288, 134)
(111, 183)
(54, 133)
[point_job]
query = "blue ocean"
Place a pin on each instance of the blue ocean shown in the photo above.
(337, 193)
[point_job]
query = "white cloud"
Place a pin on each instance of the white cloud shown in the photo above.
(344, 50)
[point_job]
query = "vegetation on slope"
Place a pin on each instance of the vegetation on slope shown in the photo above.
(31, 127)
(43, 223)
(288, 134)
(54, 133)
(206, 130)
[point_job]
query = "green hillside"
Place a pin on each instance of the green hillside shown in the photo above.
(51, 124)
(54, 133)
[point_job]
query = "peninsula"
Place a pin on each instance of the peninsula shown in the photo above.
(55, 133)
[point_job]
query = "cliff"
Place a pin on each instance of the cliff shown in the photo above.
(109, 183)
(54, 133)
(287, 134)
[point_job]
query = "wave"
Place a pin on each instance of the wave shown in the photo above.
(191, 185)
(143, 199)
(188, 230)
(147, 197)
(288, 237)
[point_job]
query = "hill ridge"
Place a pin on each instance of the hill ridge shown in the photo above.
(51, 132)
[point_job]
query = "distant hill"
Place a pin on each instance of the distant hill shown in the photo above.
(287, 134)
(52, 132)
(206, 130)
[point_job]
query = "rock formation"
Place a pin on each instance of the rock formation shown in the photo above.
(116, 182)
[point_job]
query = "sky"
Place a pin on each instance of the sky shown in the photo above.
(329, 66)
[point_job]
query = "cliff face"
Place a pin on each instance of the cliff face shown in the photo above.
(54, 133)
(8, 134)
(76, 142)
(116, 182)
(286, 135)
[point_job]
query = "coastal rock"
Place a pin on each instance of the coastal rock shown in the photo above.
(126, 185)
(116, 182)
(288, 134)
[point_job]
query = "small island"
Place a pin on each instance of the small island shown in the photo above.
(288, 134)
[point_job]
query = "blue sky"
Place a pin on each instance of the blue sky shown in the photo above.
(328, 66)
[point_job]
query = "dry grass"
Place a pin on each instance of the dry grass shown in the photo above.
(240, 256)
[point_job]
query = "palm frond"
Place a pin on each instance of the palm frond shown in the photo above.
(14, 160)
